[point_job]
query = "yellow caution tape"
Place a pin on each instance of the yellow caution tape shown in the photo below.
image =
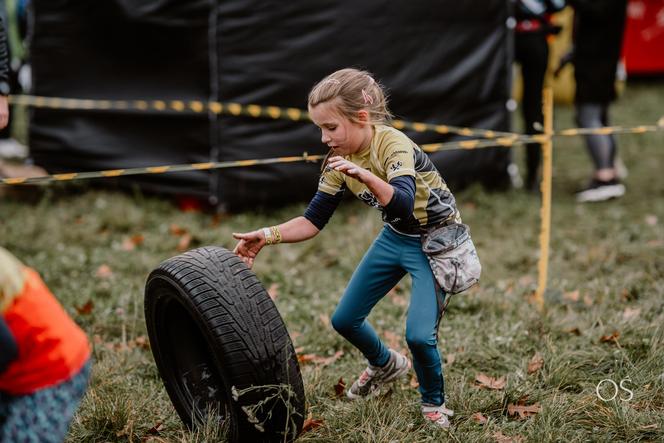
(157, 169)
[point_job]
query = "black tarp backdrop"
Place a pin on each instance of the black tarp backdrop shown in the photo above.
(442, 61)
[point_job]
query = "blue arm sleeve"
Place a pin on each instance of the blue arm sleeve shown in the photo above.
(8, 347)
(321, 208)
(403, 200)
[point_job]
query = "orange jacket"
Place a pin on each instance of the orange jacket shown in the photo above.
(51, 347)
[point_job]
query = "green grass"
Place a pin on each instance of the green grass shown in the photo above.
(611, 253)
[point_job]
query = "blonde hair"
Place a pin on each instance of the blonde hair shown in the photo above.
(355, 90)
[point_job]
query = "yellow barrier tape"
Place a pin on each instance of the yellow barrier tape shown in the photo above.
(294, 114)
(157, 169)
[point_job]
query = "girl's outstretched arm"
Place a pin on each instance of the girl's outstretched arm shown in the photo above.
(293, 231)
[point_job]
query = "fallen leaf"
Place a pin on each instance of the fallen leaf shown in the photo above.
(484, 381)
(571, 296)
(273, 291)
(613, 338)
(587, 300)
(319, 360)
(299, 350)
(104, 271)
(155, 429)
(183, 243)
(535, 363)
(295, 335)
(86, 309)
(655, 243)
(450, 358)
(340, 387)
(523, 411)
(478, 417)
(312, 423)
(413, 382)
(177, 231)
(130, 243)
(142, 342)
(575, 331)
(651, 220)
(502, 438)
(630, 313)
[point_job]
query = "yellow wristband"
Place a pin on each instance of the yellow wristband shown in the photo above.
(276, 234)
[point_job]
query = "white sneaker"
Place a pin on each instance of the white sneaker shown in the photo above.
(438, 415)
(373, 377)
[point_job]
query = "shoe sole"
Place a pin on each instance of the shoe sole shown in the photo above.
(376, 391)
(601, 194)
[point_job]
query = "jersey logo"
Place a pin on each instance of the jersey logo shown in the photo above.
(396, 166)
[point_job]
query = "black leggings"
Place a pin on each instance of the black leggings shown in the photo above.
(602, 148)
(532, 52)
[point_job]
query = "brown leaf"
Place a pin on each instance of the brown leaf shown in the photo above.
(575, 331)
(339, 388)
(142, 342)
(413, 382)
(312, 423)
(319, 360)
(535, 363)
(651, 220)
(104, 271)
(478, 417)
(86, 309)
(183, 243)
(613, 338)
(502, 438)
(273, 291)
(484, 381)
(523, 411)
(571, 296)
(630, 313)
(128, 245)
(177, 231)
(450, 358)
(155, 429)
(587, 300)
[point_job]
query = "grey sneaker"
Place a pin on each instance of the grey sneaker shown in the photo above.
(438, 415)
(373, 377)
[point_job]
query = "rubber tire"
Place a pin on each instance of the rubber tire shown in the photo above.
(212, 327)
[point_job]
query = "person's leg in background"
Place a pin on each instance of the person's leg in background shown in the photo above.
(532, 52)
(605, 183)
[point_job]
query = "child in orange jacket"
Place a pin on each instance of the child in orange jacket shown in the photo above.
(44, 358)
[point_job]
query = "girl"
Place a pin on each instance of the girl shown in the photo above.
(44, 358)
(386, 170)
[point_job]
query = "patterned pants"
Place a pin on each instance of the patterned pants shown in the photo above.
(44, 415)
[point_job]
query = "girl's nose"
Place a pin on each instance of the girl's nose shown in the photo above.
(325, 138)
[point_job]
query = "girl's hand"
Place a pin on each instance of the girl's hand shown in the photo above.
(348, 167)
(249, 245)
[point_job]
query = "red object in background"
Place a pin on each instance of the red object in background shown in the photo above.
(643, 47)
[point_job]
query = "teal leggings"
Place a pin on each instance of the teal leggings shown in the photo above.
(390, 257)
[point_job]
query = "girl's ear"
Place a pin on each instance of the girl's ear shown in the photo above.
(363, 115)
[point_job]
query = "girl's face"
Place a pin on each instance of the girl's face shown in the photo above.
(339, 133)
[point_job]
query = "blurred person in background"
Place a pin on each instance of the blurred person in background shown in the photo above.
(44, 358)
(598, 34)
(533, 27)
(12, 51)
